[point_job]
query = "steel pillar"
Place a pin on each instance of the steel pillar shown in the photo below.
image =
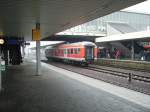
(0, 74)
(6, 58)
(132, 50)
(23, 51)
(38, 58)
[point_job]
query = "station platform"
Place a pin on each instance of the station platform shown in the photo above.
(58, 90)
(128, 64)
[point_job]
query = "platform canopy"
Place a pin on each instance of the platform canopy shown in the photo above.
(142, 35)
(18, 17)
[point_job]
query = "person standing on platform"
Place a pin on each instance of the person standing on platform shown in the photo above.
(118, 53)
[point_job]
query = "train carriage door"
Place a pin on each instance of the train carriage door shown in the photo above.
(65, 53)
(89, 52)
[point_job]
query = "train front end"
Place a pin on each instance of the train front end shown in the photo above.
(90, 53)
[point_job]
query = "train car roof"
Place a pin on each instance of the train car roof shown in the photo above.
(84, 43)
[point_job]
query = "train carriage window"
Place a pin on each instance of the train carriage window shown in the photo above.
(68, 51)
(75, 51)
(78, 50)
(60, 51)
(71, 51)
(64, 50)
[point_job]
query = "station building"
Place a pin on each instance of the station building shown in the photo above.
(135, 22)
(138, 21)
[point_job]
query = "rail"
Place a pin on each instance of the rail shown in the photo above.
(130, 76)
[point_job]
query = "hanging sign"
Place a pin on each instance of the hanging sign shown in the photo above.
(36, 34)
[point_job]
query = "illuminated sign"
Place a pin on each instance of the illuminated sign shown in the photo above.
(1, 41)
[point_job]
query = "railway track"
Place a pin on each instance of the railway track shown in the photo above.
(130, 76)
(128, 68)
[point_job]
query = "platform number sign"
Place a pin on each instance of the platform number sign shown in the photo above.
(2, 66)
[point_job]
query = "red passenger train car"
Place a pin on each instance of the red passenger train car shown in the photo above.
(79, 52)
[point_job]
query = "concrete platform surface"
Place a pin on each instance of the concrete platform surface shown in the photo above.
(54, 91)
